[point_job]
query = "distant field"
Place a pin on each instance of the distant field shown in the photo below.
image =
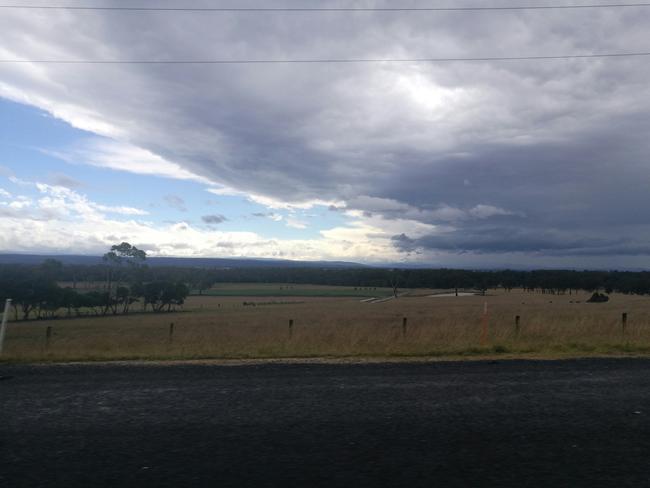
(287, 290)
(265, 290)
(258, 327)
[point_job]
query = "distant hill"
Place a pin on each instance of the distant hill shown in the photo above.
(182, 262)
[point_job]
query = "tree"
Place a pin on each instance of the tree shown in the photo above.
(48, 297)
(395, 281)
(161, 294)
(94, 300)
(50, 270)
(481, 284)
(69, 298)
(202, 281)
(24, 296)
(125, 253)
(125, 297)
(114, 259)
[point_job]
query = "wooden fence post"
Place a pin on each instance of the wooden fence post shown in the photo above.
(48, 335)
(290, 328)
(623, 321)
(404, 326)
(517, 326)
(170, 339)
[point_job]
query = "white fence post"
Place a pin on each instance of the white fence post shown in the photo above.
(3, 327)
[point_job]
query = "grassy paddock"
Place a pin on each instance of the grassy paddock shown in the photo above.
(291, 290)
(222, 327)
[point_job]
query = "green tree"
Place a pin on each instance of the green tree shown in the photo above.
(119, 255)
(161, 294)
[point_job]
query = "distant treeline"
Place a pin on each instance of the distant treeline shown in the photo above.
(543, 281)
(37, 292)
(71, 259)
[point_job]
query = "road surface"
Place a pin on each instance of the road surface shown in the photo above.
(506, 423)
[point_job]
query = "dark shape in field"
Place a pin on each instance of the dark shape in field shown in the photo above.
(598, 298)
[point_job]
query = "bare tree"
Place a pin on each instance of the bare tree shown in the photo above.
(394, 281)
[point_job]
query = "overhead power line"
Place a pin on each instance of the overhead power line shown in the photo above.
(328, 9)
(324, 61)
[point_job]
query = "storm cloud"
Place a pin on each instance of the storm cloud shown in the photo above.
(542, 157)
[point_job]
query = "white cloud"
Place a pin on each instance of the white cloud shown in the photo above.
(20, 202)
(486, 211)
(269, 215)
(120, 156)
(68, 230)
(120, 210)
(389, 208)
(18, 181)
(61, 219)
(61, 202)
(59, 199)
(296, 223)
(272, 203)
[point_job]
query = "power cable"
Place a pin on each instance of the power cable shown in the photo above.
(327, 9)
(325, 61)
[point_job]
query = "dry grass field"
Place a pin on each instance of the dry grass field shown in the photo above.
(223, 327)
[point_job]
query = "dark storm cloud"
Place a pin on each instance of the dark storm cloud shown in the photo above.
(506, 240)
(536, 157)
(503, 240)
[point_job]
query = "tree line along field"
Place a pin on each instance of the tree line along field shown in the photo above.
(124, 283)
(258, 326)
(291, 290)
(263, 290)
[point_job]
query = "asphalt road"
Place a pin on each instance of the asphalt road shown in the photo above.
(506, 423)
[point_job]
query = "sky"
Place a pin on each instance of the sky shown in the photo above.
(534, 163)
